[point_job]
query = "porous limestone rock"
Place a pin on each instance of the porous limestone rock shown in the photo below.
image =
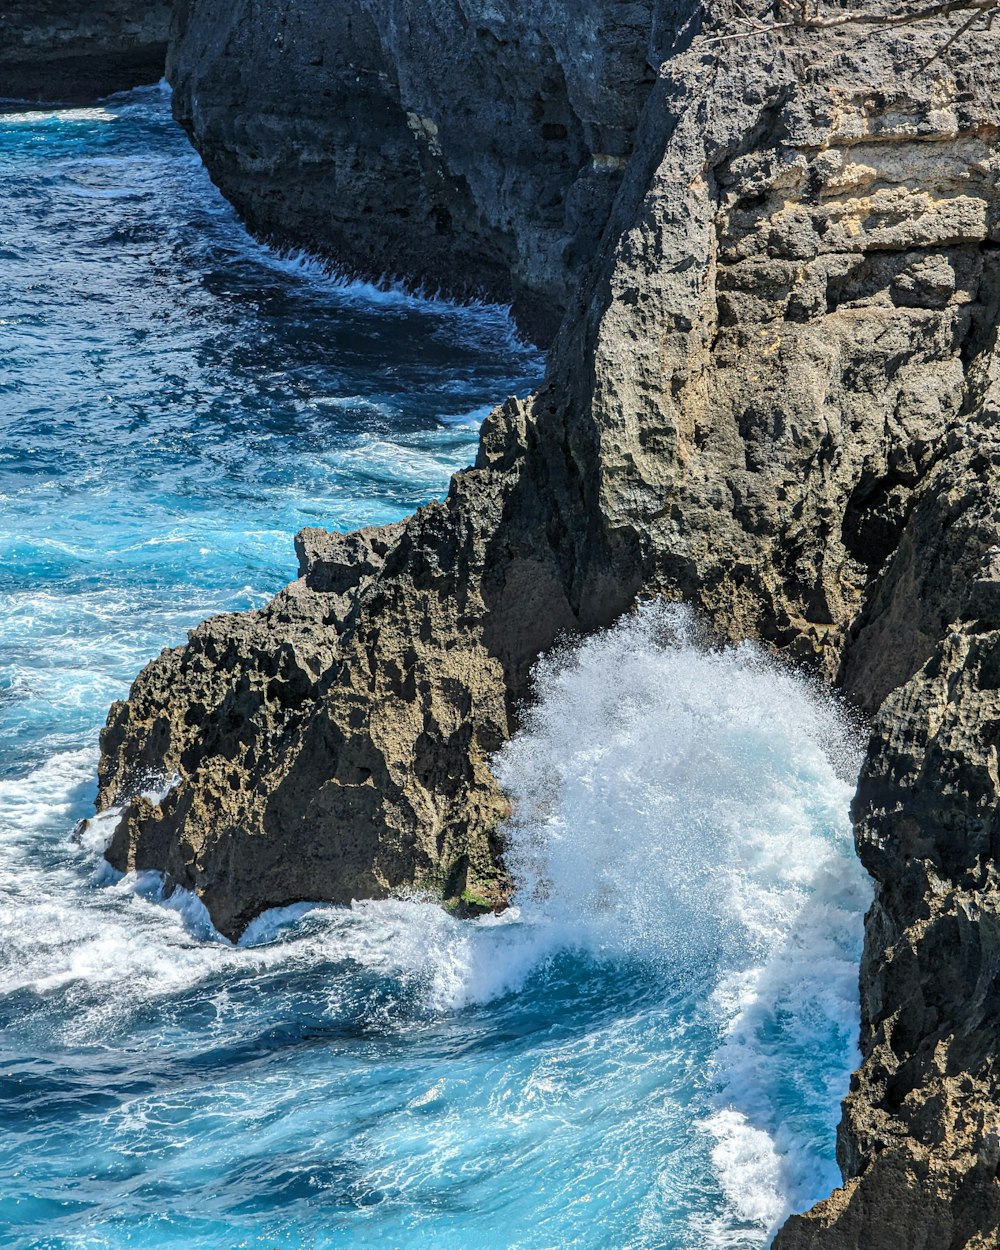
(74, 53)
(775, 396)
(919, 1144)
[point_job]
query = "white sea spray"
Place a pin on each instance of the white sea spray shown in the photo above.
(675, 801)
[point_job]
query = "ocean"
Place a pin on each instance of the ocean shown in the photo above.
(648, 1050)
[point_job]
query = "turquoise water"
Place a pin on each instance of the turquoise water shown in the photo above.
(648, 1051)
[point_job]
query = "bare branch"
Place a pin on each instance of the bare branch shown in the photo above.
(807, 15)
(956, 36)
(815, 21)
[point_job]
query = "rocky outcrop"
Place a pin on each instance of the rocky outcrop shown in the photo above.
(919, 1144)
(775, 397)
(73, 53)
(291, 726)
(344, 129)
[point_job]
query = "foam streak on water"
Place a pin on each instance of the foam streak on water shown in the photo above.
(646, 1052)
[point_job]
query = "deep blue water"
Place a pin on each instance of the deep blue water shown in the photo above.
(648, 1052)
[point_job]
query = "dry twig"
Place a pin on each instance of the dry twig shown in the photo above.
(808, 15)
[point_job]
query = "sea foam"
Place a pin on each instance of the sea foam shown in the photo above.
(678, 808)
(681, 806)
(679, 802)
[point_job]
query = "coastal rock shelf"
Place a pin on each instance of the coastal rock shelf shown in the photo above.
(774, 395)
(77, 53)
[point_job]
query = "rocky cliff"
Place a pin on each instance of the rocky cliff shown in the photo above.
(51, 51)
(469, 145)
(775, 395)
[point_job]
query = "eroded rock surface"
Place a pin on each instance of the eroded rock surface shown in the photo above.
(776, 398)
(51, 50)
(472, 145)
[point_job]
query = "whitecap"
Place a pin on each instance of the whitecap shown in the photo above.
(67, 115)
(689, 805)
(471, 420)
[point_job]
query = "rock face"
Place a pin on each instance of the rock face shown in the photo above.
(776, 397)
(490, 170)
(919, 1144)
(74, 53)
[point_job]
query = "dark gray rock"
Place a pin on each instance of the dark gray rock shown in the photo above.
(472, 146)
(51, 51)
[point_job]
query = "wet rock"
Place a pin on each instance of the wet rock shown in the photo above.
(918, 1143)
